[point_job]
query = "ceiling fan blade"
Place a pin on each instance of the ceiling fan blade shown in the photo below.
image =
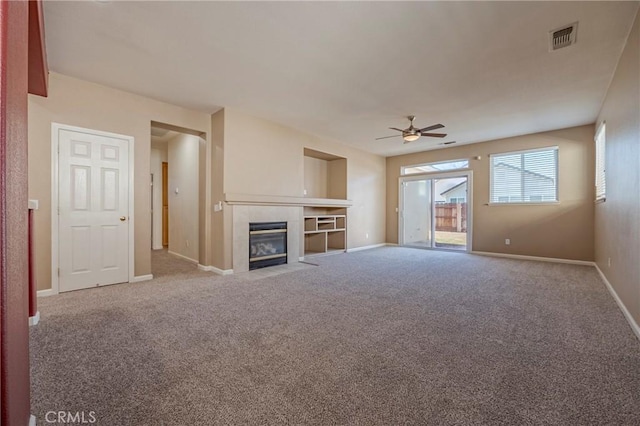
(434, 135)
(434, 127)
(395, 128)
(387, 137)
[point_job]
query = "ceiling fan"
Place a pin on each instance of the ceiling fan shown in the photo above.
(412, 133)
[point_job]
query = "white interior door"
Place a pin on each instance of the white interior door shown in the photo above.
(93, 209)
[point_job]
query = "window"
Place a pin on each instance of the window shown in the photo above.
(601, 177)
(525, 176)
(435, 167)
(458, 200)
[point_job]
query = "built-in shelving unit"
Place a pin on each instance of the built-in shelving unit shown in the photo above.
(325, 211)
(325, 233)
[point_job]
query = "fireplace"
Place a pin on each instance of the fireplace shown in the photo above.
(267, 244)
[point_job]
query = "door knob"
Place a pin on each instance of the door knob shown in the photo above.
(123, 218)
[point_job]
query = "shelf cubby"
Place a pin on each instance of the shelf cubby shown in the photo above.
(325, 233)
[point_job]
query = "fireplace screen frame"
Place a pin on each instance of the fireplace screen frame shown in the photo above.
(261, 230)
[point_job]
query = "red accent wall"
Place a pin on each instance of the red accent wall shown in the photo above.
(14, 331)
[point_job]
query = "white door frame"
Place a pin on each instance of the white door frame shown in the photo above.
(437, 175)
(55, 137)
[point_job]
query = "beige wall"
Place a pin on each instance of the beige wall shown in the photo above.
(183, 159)
(618, 218)
(265, 158)
(315, 177)
(325, 178)
(80, 103)
(563, 230)
(221, 221)
(204, 201)
(336, 179)
(261, 157)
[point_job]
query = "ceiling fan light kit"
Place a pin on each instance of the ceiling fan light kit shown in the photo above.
(412, 134)
(410, 137)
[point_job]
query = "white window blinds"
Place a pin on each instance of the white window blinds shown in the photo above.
(601, 181)
(525, 176)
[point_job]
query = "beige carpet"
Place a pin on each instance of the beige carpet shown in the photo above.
(165, 264)
(381, 337)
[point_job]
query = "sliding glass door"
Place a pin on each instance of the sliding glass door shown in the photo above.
(435, 211)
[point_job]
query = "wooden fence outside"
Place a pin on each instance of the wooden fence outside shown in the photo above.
(451, 217)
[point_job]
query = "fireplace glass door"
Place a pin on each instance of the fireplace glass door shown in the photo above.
(267, 244)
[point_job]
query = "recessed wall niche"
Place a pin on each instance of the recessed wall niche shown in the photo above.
(325, 175)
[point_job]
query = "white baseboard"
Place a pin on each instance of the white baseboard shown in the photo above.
(140, 278)
(47, 292)
(136, 279)
(351, 250)
(188, 259)
(632, 322)
(215, 270)
(157, 247)
(539, 259)
(32, 420)
(34, 320)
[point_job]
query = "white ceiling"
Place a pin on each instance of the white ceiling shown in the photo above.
(350, 70)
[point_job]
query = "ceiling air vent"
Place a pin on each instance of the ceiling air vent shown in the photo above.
(563, 37)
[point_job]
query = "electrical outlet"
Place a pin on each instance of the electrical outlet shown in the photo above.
(366, 236)
(609, 262)
(304, 192)
(507, 241)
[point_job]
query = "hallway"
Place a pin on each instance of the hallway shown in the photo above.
(165, 264)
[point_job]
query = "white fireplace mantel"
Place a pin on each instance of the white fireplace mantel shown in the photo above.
(277, 200)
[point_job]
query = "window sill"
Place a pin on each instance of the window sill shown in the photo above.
(546, 203)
